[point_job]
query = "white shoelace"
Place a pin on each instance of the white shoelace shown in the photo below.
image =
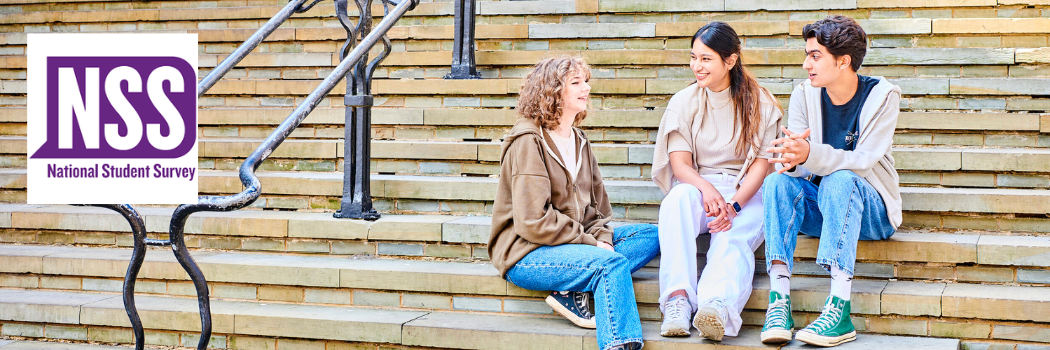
(828, 318)
(774, 315)
(582, 302)
(675, 307)
(720, 306)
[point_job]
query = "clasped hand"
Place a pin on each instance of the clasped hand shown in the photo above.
(716, 206)
(793, 149)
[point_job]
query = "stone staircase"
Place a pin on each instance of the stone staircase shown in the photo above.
(972, 147)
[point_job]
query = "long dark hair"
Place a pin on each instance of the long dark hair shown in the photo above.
(746, 92)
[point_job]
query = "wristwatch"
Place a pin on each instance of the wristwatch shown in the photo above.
(735, 205)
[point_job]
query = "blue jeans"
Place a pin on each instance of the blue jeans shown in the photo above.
(841, 211)
(587, 268)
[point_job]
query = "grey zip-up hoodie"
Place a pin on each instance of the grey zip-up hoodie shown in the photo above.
(871, 159)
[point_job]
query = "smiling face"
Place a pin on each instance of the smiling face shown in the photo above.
(708, 67)
(574, 94)
(823, 67)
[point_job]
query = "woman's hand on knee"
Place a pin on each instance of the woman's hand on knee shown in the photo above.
(713, 201)
(606, 246)
(721, 223)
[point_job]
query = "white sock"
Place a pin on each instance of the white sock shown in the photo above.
(780, 279)
(841, 283)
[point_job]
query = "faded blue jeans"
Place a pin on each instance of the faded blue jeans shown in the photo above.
(841, 211)
(587, 268)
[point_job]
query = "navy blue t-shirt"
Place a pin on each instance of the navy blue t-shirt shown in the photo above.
(840, 123)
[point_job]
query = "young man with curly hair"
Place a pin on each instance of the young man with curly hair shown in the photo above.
(835, 177)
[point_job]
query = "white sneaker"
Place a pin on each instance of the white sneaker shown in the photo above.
(676, 317)
(710, 319)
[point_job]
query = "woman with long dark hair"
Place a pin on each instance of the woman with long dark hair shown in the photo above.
(706, 154)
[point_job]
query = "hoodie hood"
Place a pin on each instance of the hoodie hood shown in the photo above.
(523, 126)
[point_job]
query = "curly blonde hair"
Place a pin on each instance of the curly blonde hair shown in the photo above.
(540, 96)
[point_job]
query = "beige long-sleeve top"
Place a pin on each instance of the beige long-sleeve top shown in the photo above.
(703, 122)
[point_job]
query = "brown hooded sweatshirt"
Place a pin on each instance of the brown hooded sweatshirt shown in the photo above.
(537, 203)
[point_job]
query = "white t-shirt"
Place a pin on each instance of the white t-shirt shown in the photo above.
(567, 148)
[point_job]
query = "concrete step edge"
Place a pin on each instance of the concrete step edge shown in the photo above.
(414, 328)
(870, 296)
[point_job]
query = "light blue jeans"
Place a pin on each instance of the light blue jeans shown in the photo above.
(841, 211)
(587, 268)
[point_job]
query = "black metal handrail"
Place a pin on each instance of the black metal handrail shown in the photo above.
(253, 41)
(251, 183)
(356, 202)
(463, 66)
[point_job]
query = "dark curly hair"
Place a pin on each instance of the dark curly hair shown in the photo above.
(841, 35)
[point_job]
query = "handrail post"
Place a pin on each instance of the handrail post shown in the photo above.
(463, 66)
(356, 202)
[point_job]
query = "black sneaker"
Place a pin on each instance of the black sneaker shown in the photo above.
(573, 305)
(627, 346)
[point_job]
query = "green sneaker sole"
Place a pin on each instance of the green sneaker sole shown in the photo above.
(811, 338)
(775, 336)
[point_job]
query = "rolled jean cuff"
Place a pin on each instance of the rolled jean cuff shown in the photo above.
(614, 343)
(770, 258)
(828, 263)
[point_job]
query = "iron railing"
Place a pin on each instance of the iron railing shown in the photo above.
(463, 66)
(357, 195)
(354, 55)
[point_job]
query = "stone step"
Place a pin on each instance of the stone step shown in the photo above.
(753, 56)
(67, 5)
(215, 44)
(395, 156)
(648, 27)
(603, 126)
(316, 62)
(171, 18)
(965, 256)
(610, 93)
(601, 87)
(908, 158)
(465, 286)
(982, 168)
(632, 199)
(503, 119)
(195, 11)
(459, 287)
(44, 345)
(623, 118)
(260, 323)
(880, 57)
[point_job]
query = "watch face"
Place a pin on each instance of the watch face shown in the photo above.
(736, 206)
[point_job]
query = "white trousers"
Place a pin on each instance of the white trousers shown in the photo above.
(730, 259)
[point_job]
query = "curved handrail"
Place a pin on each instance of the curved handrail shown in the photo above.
(246, 172)
(138, 254)
(251, 183)
(253, 187)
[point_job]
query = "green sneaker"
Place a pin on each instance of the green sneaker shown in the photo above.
(779, 323)
(833, 327)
